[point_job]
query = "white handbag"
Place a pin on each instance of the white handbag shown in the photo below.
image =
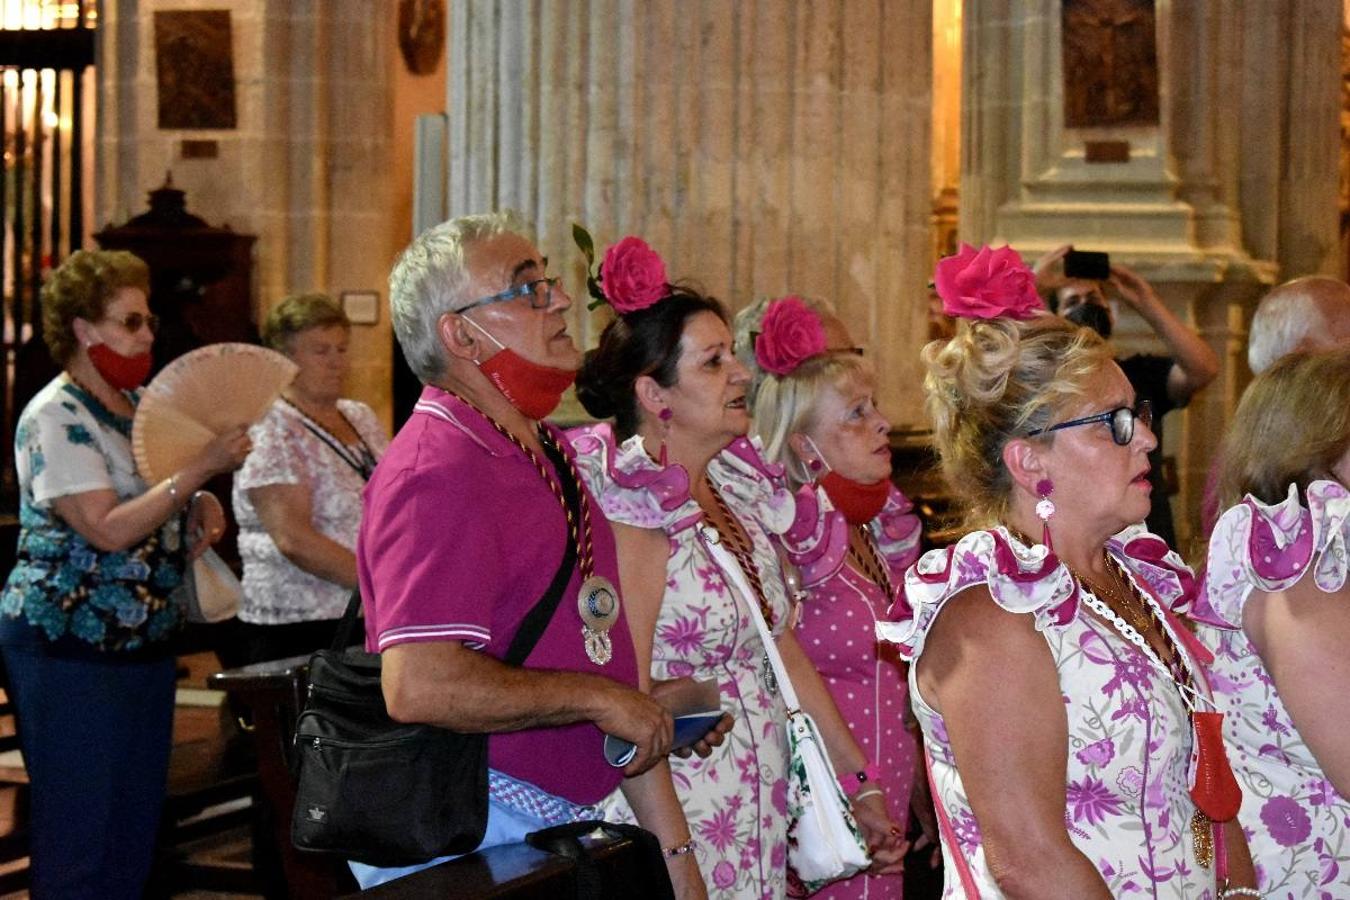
(210, 591)
(824, 841)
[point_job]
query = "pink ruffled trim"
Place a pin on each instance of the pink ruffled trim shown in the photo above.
(1256, 546)
(1023, 580)
(817, 541)
(630, 487)
(633, 489)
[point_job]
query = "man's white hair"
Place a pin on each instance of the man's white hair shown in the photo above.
(429, 279)
(1288, 316)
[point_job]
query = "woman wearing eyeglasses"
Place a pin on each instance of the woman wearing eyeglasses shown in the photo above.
(298, 496)
(86, 614)
(1060, 701)
(852, 539)
(1276, 611)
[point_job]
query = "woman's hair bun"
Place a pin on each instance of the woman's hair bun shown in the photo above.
(593, 388)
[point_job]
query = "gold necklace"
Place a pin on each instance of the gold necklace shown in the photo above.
(738, 543)
(873, 568)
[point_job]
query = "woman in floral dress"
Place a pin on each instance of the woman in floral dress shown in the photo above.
(853, 537)
(676, 467)
(1048, 673)
(1277, 613)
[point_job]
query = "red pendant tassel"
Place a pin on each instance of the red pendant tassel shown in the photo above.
(1215, 790)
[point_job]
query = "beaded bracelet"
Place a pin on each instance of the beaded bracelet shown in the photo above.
(173, 488)
(1239, 892)
(678, 850)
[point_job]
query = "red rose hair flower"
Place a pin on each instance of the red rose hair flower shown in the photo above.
(987, 283)
(790, 334)
(632, 275)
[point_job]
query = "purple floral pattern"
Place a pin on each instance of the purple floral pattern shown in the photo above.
(735, 799)
(1297, 824)
(1126, 804)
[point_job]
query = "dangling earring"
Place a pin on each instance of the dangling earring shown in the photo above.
(665, 416)
(1045, 508)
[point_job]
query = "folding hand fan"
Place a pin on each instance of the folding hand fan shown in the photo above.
(200, 395)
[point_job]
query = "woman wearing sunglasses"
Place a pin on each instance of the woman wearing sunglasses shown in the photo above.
(1276, 611)
(86, 615)
(1060, 702)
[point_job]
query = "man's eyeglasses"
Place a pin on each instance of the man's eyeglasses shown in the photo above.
(1122, 420)
(132, 322)
(540, 292)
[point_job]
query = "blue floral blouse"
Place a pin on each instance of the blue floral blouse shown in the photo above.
(64, 588)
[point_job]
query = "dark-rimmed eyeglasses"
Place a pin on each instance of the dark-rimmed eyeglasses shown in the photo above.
(540, 292)
(1121, 419)
(132, 322)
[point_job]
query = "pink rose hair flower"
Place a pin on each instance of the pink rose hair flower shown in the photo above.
(790, 334)
(632, 275)
(987, 283)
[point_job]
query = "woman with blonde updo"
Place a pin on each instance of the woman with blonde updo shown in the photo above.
(1059, 700)
(1277, 613)
(853, 537)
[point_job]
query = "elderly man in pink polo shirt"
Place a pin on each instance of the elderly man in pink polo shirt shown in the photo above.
(464, 525)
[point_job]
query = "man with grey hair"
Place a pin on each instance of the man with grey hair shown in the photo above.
(465, 522)
(1308, 314)
(1303, 315)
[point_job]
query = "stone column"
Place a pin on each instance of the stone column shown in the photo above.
(763, 148)
(306, 168)
(1234, 189)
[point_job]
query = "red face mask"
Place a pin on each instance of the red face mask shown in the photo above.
(532, 389)
(859, 502)
(124, 373)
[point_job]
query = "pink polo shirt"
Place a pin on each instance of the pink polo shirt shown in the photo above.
(459, 539)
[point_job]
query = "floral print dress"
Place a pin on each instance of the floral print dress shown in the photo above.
(1127, 805)
(735, 800)
(1297, 824)
(864, 675)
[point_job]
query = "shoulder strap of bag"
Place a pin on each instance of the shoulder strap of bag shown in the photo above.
(957, 858)
(731, 570)
(537, 619)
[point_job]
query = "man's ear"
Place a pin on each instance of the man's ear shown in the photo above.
(1025, 463)
(457, 337)
(650, 395)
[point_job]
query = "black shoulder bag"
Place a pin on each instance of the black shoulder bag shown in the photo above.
(389, 793)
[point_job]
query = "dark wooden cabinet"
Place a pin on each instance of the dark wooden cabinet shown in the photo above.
(201, 276)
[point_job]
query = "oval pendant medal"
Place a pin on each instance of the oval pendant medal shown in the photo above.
(598, 604)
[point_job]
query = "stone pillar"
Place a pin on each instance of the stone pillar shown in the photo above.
(1234, 189)
(762, 148)
(306, 168)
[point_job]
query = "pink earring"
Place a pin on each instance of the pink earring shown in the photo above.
(1045, 508)
(814, 465)
(665, 415)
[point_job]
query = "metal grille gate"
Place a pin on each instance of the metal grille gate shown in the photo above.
(46, 66)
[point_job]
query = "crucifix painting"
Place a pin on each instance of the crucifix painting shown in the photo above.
(1110, 63)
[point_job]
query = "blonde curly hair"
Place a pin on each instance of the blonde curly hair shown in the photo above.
(996, 380)
(80, 288)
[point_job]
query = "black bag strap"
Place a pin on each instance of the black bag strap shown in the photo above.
(537, 619)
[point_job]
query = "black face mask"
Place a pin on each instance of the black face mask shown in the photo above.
(1091, 315)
